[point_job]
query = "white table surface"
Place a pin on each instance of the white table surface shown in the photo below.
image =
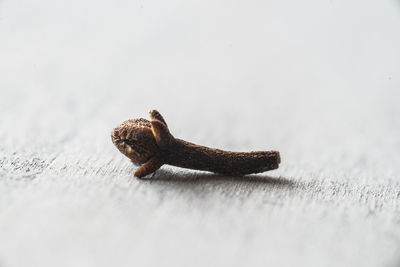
(317, 80)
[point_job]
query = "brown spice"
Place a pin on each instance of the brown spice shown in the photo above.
(150, 144)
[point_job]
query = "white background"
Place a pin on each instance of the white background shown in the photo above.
(317, 80)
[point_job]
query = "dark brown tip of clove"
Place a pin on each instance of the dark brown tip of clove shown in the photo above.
(278, 156)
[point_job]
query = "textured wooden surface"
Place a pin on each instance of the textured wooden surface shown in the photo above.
(317, 80)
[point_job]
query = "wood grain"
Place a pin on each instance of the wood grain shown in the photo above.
(295, 80)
